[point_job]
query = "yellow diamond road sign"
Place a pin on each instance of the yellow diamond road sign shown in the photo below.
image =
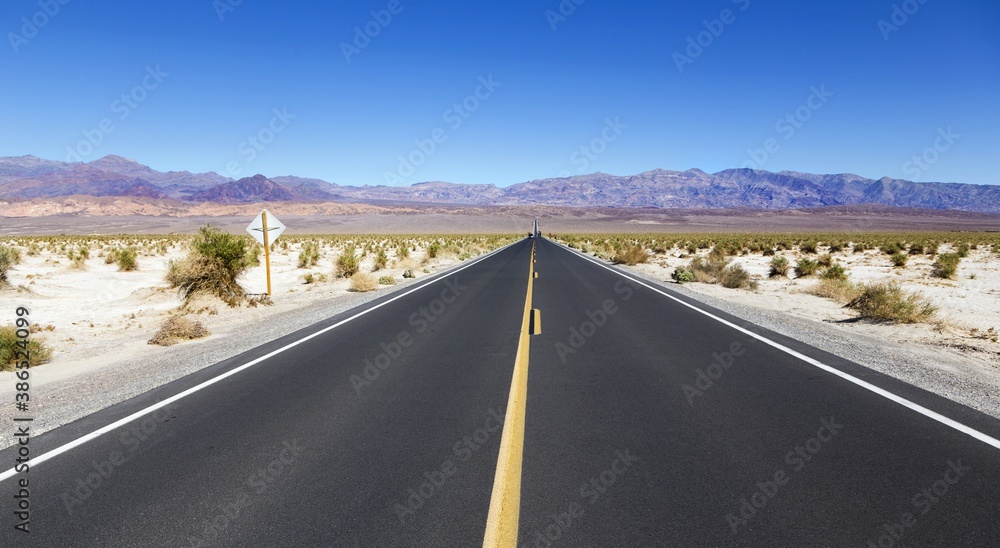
(274, 228)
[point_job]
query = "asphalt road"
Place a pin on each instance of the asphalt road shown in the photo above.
(647, 423)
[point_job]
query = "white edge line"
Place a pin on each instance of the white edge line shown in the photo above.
(985, 438)
(143, 412)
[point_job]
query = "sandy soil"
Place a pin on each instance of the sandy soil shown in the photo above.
(969, 305)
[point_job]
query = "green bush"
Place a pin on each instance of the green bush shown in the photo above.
(825, 260)
(381, 259)
(682, 275)
(946, 265)
(886, 301)
(347, 263)
(402, 252)
(811, 247)
(387, 280)
(779, 267)
(309, 255)
(38, 352)
(835, 271)
(806, 267)
(126, 259)
(899, 259)
(9, 257)
(215, 260)
(893, 248)
(432, 250)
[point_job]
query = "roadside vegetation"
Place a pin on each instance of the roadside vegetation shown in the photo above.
(38, 350)
(9, 257)
(820, 261)
(177, 329)
(886, 301)
(214, 262)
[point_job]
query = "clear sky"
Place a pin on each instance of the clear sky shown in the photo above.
(342, 90)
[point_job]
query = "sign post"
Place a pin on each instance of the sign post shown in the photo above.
(266, 232)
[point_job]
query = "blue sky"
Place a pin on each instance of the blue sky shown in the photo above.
(254, 86)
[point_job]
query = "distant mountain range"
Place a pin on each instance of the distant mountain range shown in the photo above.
(29, 177)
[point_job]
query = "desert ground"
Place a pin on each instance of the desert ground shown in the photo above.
(111, 215)
(968, 315)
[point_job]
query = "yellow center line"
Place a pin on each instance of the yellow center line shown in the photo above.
(505, 502)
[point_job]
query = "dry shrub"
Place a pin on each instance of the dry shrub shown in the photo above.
(38, 352)
(946, 266)
(387, 280)
(309, 255)
(347, 263)
(806, 267)
(126, 259)
(709, 270)
(215, 261)
(9, 257)
(835, 271)
(177, 329)
(363, 281)
(839, 290)
(779, 267)
(631, 255)
(736, 277)
(381, 259)
(886, 301)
